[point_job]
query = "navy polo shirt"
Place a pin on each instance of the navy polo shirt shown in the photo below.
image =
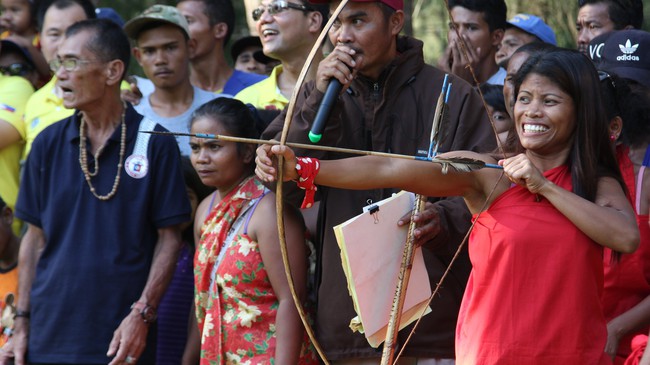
(97, 253)
(241, 80)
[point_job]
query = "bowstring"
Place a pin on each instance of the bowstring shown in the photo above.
(279, 204)
(463, 47)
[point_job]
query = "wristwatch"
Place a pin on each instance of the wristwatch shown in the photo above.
(147, 312)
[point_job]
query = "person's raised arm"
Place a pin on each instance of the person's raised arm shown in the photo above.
(372, 172)
(129, 339)
(263, 228)
(609, 221)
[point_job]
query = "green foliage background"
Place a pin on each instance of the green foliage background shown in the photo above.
(428, 20)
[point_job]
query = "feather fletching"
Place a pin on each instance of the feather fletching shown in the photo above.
(460, 164)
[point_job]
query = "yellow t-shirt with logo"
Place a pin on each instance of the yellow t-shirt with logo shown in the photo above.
(265, 94)
(14, 92)
(43, 109)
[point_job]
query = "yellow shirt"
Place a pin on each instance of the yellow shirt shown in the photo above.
(265, 94)
(14, 92)
(43, 109)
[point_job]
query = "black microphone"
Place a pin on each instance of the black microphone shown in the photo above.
(332, 92)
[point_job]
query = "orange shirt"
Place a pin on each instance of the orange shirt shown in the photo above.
(8, 295)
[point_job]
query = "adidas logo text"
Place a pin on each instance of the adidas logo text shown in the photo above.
(627, 57)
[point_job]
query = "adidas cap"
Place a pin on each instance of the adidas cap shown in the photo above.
(627, 54)
(596, 46)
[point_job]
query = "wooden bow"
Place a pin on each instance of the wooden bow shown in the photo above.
(463, 47)
(279, 189)
(388, 353)
(279, 204)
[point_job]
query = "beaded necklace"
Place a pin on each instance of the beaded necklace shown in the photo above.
(83, 158)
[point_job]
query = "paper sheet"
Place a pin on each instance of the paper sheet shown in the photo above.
(371, 252)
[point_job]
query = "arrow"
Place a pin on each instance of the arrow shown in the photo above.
(458, 164)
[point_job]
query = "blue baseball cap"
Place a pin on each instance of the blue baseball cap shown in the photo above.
(110, 14)
(534, 25)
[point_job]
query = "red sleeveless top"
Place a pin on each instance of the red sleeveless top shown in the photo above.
(533, 296)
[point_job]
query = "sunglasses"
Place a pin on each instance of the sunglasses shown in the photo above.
(15, 69)
(277, 7)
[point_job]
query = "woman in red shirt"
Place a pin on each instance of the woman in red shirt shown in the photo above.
(533, 295)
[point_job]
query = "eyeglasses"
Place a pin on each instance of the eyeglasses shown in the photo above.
(15, 69)
(277, 7)
(69, 64)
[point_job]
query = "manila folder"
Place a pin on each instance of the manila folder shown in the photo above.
(372, 245)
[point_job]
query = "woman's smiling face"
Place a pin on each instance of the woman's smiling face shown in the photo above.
(545, 116)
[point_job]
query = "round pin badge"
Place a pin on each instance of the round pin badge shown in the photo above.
(137, 166)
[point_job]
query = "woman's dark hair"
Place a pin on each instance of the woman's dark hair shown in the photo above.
(236, 117)
(614, 90)
(590, 156)
(635, 112)
(193, 182)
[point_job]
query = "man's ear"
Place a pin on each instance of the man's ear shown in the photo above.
(497, 37)
(315, 22)
(191, 48)
(220, 30)
(396, 22)
(114, 72)
(248, 153)
(137, 55)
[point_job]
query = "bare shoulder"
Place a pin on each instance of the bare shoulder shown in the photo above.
(204, 206)
(264, 218)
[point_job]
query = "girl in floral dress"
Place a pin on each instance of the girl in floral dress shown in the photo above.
(244, 308)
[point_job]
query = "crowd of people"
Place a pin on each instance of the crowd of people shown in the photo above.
(128, 237)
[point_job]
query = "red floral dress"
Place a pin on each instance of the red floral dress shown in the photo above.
(236, 317)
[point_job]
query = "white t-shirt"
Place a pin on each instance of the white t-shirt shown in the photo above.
(181, 122)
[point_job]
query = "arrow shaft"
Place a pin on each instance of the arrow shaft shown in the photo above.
(303, 146)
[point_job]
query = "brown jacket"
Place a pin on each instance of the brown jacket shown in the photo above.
(393, 114)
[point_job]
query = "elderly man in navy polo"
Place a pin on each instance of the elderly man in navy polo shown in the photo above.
(103, 203)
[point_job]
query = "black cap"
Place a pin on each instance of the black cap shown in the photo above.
(627, 54)
(596, 48)
(7, 45)
(260, 57)
(242, 43)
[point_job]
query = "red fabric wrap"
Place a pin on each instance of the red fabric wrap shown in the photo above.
(307, 169)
